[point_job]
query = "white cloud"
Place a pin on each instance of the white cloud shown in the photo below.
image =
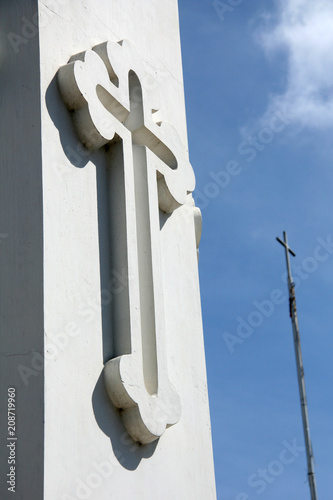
(304, 34)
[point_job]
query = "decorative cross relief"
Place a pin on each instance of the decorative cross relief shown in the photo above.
(110, 105)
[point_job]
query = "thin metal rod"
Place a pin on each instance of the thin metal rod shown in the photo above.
(300, 370)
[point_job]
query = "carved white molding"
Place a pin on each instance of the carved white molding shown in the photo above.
(105, 90)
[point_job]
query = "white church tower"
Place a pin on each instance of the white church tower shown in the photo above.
(102, 368)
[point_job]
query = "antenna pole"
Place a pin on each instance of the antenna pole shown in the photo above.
(300, 370)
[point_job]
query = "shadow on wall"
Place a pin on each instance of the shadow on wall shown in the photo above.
(128, 453)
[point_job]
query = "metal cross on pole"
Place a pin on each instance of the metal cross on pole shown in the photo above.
(300, 370)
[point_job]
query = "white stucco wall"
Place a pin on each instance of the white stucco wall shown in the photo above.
(88, 454)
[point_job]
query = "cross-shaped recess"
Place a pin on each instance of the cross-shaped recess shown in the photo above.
(149, 169)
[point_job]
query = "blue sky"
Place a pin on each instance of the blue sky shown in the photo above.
(259, 96)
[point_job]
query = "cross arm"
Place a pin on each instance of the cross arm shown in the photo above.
(285, 244)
